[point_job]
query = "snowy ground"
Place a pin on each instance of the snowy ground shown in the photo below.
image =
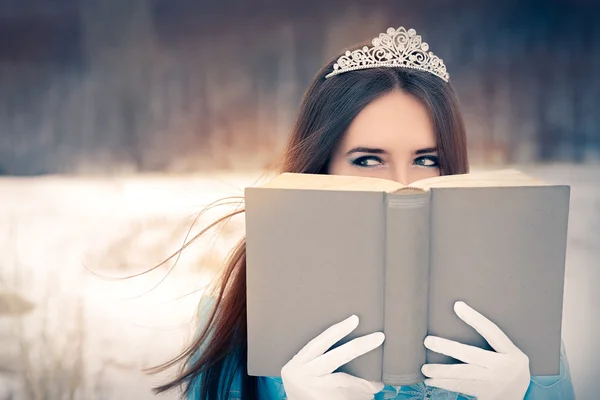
(88, 338)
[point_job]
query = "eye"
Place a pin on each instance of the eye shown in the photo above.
(367, 161)
(427, 161)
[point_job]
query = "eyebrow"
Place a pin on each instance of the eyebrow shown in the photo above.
(365, 150)
(426, 150)
(381, 151)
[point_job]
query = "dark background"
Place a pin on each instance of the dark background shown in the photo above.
(121, 86)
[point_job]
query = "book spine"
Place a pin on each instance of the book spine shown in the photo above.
(406, 286)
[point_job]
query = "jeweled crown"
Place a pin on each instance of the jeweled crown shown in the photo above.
(395, 48)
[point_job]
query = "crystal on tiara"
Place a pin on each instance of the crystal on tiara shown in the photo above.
(395, 48)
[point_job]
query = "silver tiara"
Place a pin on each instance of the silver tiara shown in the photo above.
(395, 48)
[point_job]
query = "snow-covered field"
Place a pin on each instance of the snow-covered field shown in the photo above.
(89, 337)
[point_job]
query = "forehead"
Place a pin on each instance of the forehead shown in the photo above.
(395, 119)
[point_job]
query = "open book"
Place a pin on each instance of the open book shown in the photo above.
(323, 247)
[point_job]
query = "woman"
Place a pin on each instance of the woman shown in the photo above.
(386, 111)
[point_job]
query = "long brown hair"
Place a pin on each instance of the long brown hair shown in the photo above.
(327, 109)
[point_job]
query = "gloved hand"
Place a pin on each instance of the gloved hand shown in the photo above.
(309, 374)
(487, 375)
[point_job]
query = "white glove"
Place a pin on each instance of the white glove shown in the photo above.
(487, 375)
(309, 374)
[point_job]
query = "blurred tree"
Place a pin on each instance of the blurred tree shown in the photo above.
(157, 85)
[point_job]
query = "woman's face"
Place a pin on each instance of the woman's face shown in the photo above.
(392, 138)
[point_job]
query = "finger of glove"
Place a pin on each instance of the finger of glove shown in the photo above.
(377, 386)
(465, 353)
(333, 359)
(471, 388)
(340, 380)
(486, 328)
(326, 339)
(456, 371)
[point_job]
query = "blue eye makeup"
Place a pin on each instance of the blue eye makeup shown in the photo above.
(367, 161)
(370, 161)
(429, 161)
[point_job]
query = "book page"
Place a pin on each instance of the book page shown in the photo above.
(289, 180)
(501, 178)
